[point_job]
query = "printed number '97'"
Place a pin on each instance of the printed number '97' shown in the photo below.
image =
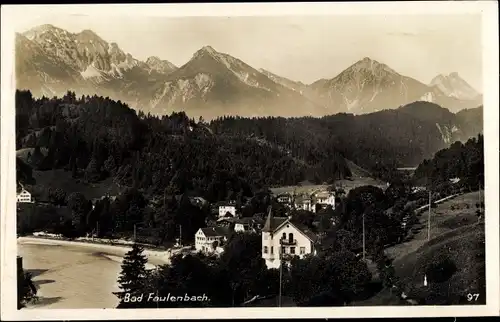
(472, 297)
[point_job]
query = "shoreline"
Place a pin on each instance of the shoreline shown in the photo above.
(160, 257)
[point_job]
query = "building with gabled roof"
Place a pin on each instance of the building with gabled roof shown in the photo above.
(209, 239)
(284, 238)
(24, 196)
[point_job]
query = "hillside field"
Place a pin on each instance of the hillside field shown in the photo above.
(456, 236)
(360, 177)
(52, 179)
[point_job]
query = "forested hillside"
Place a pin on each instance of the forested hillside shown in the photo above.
(463, 161)
(96, 137)
(377, 142)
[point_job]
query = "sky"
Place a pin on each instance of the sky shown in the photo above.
(302, 48)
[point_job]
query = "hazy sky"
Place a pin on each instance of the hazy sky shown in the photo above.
(300, 48)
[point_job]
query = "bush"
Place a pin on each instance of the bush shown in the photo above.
(441, 270)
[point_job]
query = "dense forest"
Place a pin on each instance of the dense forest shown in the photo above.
(95, 138)
(378, 141)
(461, 161)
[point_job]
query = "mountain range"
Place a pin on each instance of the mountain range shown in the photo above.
(50, 61)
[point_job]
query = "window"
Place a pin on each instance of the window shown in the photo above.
(290, 237)
(272, 250)
(265, 249)
(302, 250)
(283, 236)
(282, 249)
(292, 250)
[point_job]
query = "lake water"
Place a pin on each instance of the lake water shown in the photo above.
(70, 277)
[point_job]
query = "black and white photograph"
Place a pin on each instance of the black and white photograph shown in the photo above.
(265, 160)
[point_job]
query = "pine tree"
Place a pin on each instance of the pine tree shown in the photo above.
(133, 274)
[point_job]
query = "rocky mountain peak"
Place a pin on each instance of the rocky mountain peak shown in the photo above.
(161, 66)
(453, 85)
(371, 65)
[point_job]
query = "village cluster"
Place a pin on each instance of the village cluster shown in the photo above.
(282, 237)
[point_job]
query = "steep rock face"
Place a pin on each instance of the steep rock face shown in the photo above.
(453, 85)
(85, 52)
(214, 83)
(368, 86)
(51, 61)
(161, 66)
(42, 72)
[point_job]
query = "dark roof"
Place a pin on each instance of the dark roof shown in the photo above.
(244, 220)
(226, 203)
(215, 231)
(305, 230)
(273, 222)
(228, 219)
(302, 199)
(323, 194)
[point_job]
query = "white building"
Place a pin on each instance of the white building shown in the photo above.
(325, 198)
(246, 224)
(284, 198)
(305, 203)
(209, 239)
(227, 207)
(283, 238)
(24, 196)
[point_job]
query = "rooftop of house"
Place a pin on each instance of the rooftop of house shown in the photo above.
(273, 223)
(245, 220)
(226, 203)
(215, 231)
(305, 230)
(323, 194)
(302, 199)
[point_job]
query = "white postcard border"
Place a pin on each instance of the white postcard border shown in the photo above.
(489, 12)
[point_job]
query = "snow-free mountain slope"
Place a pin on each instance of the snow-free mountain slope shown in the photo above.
(50, 61)
(453, 85)
(368, 86)
(214, 83)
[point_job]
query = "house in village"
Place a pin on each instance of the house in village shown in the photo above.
(227, 207)
(324, 198)
(282, 238)
(284, 198)
(211, 239)
(243, 225)
(226, 222)
(24, 196)
(247, 224)
(305, 202)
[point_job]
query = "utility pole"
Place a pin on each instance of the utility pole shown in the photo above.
(429, 219)
(364, 252)
(480, 204)
(281, 278)
(180, 235)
